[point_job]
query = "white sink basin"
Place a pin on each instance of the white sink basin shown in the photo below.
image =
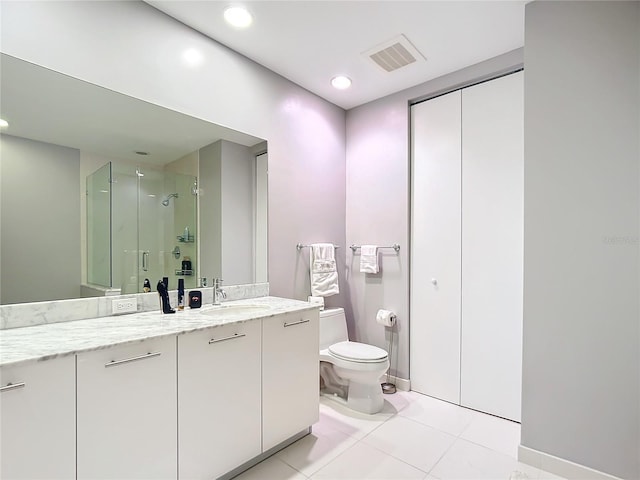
(236, 309)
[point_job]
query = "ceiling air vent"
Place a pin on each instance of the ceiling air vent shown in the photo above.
(394, 54)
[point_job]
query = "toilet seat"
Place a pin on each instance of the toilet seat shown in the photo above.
(357, 352)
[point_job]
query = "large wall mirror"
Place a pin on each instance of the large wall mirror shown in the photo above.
(100, 191)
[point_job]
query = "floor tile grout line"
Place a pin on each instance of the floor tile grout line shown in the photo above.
(443, 455)
(397, 458)
(291, 466)
(335, 458)
(324, 465)
(360, 440)
(434, 427)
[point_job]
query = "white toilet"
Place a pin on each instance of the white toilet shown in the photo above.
(350, 370)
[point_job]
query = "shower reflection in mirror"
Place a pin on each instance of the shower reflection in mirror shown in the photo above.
(131, 236)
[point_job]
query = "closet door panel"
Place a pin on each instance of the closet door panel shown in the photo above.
(435, 248)
(492, 245)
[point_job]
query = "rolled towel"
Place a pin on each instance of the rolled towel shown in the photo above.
(369, 259)
(324, 275)
(386, 318)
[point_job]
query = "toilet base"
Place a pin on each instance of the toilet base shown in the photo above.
(360, 398)
(365, 398)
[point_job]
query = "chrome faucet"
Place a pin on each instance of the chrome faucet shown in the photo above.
(218, 291)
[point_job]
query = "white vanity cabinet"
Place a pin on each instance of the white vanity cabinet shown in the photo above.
(127, 411)
(219, 410)
(37, 420)
(290, 376)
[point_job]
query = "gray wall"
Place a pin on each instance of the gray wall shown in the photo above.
(226, 198)
(581, 365)
(210, 213)
(132, 48)
(377, 206)
(40, 173)
(238, 172)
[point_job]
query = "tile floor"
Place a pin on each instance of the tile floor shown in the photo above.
(414, 437)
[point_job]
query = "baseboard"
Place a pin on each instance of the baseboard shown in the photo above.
(560, 466)
(403, 384)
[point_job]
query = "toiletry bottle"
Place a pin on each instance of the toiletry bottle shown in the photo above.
(186, 265)
(146, 287)
(180, 294)
(186, 234)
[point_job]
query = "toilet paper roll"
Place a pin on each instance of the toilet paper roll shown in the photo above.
(386, 318)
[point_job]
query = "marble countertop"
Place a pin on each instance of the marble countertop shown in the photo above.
(44, 342)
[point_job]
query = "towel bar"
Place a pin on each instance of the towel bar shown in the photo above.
(300, 246)
(395, 246)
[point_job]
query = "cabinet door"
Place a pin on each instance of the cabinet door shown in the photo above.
(290, 375)
(492, 245)
(127, 412)
(37, 420)
(435, 247)
(219, 417)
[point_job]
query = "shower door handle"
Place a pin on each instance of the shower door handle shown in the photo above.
(145, 261)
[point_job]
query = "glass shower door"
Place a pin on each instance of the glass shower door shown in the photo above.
(152, 223)
(141, 225)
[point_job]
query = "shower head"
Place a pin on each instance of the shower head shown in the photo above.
(165, 202)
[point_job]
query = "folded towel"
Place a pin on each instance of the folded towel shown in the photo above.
(369, 259)
(324, 275)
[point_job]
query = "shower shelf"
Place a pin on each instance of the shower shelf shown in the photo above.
(184, 273)
(189, 239)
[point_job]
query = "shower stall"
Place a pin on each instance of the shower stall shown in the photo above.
(141, 224)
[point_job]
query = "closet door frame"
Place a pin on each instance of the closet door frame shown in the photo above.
(487, 352)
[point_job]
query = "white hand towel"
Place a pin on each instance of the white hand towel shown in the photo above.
(324, 275)
(369, 259)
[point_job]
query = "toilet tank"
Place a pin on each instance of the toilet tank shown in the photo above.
(333, 327)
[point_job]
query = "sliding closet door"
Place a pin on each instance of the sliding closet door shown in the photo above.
(492, 245)
(435, 248)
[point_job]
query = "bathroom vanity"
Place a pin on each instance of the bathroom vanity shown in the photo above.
(197, 394)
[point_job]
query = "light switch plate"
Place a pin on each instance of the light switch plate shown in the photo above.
(124, 305)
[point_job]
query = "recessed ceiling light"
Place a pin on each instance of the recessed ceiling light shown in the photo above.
(238, 17)
(3, 123)
(341, 82)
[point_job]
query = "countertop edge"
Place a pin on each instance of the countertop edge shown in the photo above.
(290, 306)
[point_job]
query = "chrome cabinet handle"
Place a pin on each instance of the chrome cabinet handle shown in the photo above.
(291, 324)
(145, 261)
(12, 386)
(224, 339)
(113, 363)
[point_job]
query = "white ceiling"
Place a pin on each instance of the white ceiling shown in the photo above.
(309, 42)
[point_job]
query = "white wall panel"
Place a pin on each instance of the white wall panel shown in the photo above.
(435, 248)
(492, 250)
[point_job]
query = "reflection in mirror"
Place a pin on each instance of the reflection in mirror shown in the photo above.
(99, 191)
(132, 229)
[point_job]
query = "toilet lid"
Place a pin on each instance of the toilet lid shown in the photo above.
(357, 352)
